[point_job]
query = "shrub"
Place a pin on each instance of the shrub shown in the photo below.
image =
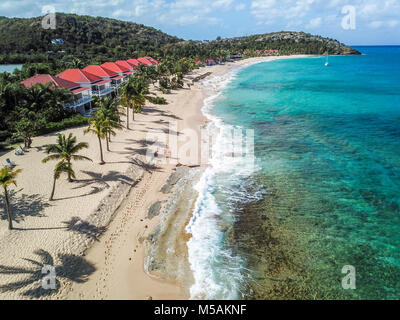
(158, 100)
(74, 121)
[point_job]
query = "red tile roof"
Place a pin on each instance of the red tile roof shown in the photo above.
(114, 67)
(46, 78)
(102, 82)
(133, 62)
(152, 60)
(76, 91)
(145, 61)
(124, 64)
(100, 72)
(79, 76)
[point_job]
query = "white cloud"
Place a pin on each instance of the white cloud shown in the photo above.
(223, 3)
(240, 7)
(393, 23)
(376, 24)
(320, 16)
(314, 14)
(383, 24)
(284, 9)
(314, 23)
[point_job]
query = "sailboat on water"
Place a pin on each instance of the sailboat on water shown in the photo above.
(327, 60)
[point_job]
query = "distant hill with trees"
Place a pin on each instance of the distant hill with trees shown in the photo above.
(84, 37)
(97, 39)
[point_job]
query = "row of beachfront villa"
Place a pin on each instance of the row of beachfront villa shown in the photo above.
(92, 81)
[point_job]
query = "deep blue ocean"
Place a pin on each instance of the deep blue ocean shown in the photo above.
(326, 191)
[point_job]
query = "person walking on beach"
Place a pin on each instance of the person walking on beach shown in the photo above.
(167, 152)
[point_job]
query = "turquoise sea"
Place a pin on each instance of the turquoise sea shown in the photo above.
(326, 189)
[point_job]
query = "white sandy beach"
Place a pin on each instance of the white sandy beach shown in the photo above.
(96, 232)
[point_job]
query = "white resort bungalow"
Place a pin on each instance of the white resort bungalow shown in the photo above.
(82, 96)
(92, 81)
(105, 74)
(99, 87)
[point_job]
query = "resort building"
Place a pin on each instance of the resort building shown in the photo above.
(145, 61)
(211, 62)
(121, 71)
(57, 41)
(81, 96)
(271, 52)
(152, 60)
(100, 81)
(104, 74)
(124, 64)
(99, 87)
(133, 62)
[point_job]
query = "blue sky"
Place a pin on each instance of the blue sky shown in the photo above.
(376, 21)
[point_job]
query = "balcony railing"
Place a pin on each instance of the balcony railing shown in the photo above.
(102, 92)
(116, 85)
(78, 102)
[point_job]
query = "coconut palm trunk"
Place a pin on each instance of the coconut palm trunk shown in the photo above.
(10, 225)
(127, 117)
(101, 151)
(53, 189)
(69, 173)
(107, 142)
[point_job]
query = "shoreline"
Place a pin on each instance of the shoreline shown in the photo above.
(103, 255)
(166, 284)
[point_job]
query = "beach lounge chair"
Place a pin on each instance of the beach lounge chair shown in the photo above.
(19, 151)
(10, 163)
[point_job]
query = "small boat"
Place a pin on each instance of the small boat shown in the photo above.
(327, 60)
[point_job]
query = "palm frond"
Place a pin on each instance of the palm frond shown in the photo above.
(53, 157)
(77, 157)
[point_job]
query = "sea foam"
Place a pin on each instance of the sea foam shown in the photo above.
(218, 273)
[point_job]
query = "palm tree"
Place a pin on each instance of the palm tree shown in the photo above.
(61, 167)
(36, 96)
(126, 93)
(76, 63)
(134, 94)
(55, 100)
(98, 127)
(110, 118)
(7, 177)
(66, 149)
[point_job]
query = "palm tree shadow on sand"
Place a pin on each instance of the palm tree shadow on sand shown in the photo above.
(103, 179)
(70, 267)
(147, 166)
(80, 226)
(24, 205)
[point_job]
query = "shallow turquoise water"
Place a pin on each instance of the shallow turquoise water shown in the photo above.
(327, 140)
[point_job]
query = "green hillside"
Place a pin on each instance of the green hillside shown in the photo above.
(97, 39)
(24, 40)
